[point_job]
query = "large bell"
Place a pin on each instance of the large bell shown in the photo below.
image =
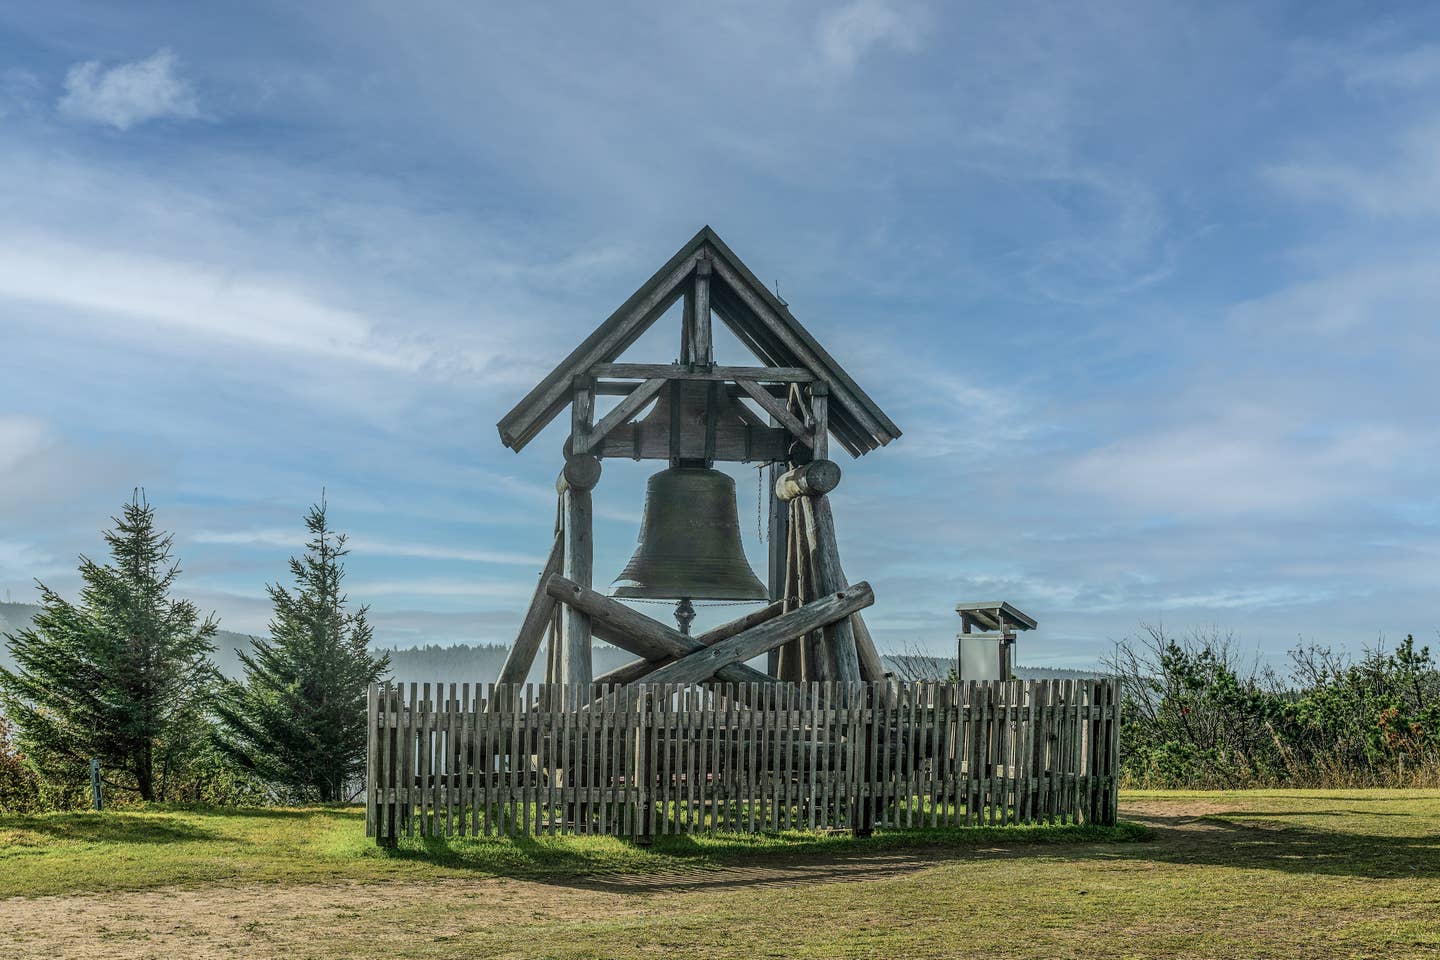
(690, 541)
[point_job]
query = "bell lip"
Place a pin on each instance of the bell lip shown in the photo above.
(630, 590)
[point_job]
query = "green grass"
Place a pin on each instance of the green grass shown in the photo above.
(134, 849)
(1262, 874)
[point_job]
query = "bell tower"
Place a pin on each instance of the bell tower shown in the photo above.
(690, 415)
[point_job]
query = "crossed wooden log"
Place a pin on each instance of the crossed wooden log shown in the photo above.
(669, 656)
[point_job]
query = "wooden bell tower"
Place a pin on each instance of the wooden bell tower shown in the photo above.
(784, 411)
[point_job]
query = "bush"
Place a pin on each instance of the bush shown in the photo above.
(1197, 716)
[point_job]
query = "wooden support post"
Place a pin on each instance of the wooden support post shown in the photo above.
(824, 563)
(708, 661)
(779, 534)
(576, 670)
(820, 417)
(702, 352)
(537, 618)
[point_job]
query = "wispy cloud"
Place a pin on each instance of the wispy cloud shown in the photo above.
(295, 540)
(848, 34)
(168, 296)
(129, 93)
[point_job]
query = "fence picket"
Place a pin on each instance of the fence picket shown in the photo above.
(642, 760)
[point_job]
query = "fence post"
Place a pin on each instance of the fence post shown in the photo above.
(864, 806)
(95, 794)
(643, 829)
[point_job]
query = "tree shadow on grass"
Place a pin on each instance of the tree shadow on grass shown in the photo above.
(111, 827)
(683, 861)
(1254, 844)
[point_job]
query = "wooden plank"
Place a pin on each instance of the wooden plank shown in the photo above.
(777, 410)
(708, 661)
(819, 412)
(621, 413)
(372, 747)
(622, 328)
(782, 326)
(675, 371)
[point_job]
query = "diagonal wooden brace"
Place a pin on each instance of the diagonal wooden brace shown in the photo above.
(631, 630)
(636, 669)
(712, 660)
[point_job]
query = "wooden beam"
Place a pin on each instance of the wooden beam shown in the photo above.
(776, 409)
(824, 560)
(636, 669)
(787, 330)
(708, 661)
(813, 479)
(537, 618)
(622, 328)
(578, 566)
(624, 411)
(820, 413)
(675, 371)
(700, 350)
(631, 630)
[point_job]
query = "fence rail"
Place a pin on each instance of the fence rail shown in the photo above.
(645, 760)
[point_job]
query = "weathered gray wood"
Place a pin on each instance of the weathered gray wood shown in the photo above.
(578, 562)
(631, 630)
(699, 349)
(623, 412)
(579, 473)
(813, 479)
(623, 327)
(741, 443)
(787, 330)
(675, 371)
(636, 669)
(819, 412)
(777, 410)
(537, 618)
(825, 564)
(708, 661)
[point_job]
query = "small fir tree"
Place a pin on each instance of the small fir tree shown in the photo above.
(298, 720)
(123, 676)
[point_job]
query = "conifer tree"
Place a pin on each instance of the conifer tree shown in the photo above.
(123, 676)
(298, 719)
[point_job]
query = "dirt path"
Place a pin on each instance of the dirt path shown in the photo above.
(295, 920)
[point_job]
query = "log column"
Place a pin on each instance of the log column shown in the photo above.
(579, 476)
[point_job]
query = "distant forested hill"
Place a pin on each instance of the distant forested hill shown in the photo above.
(480, 663)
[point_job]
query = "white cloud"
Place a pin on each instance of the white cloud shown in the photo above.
(129, 93)
(851, 32)
(1403, 181)
(295, 540)
(1244, 464)
(20, 437)
(1411, 69)
(166, 296)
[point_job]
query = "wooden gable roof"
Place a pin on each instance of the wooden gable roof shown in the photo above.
(756, 316)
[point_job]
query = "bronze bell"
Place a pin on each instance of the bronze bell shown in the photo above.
(690, 541)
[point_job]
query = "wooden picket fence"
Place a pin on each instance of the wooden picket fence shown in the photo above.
(638, 760)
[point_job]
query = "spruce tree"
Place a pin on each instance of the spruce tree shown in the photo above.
(298, 720)
(124, 675)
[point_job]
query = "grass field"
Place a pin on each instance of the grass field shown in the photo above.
(1249, 874)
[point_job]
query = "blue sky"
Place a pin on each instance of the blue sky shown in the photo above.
(1151, 289)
